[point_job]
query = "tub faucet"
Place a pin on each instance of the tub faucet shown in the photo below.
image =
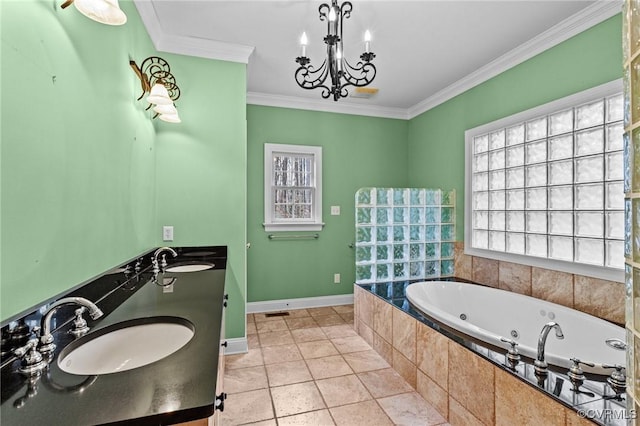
(540, 365)
(46, 338)
(154, 261)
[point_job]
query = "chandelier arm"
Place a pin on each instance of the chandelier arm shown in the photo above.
(309, 78)
(324, 14)
(345, 10)
(360, 75)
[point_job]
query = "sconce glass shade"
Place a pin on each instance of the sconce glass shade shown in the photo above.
(166, 109)
(170, 118)
(103, 11)
(159, 95)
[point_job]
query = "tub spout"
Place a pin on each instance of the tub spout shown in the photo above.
(540, 365)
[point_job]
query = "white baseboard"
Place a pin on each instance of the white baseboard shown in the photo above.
(237, 345)
(300, 303)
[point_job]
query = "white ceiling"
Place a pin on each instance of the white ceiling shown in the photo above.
(426, 51)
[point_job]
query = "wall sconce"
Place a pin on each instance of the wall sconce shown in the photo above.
(156, 79)
(103, 11)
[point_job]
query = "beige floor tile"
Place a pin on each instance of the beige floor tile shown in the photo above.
(250, 359)
(348, 318)
(365, 361)
(308, 334)
(296, 399)
(303, 322)
(385, 382)
(367, 413)
(410, 409)
(281, 353)
(270, 422)
(274, 338)
(251, 328)
(343, 309)
(286, 373)
(250, 319)
(327, 320)
(247, 407)
(341, 330)
(317, 312)
(330, 366)
(262, 317)
(350, 344)
(253, 341)
(276, 325)
(245, 379)
(342, 390)
(298, 313)
(317, 349)
(312, 418)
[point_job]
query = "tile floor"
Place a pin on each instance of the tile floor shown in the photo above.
(311, 368)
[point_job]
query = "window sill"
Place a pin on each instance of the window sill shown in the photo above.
(285, 227)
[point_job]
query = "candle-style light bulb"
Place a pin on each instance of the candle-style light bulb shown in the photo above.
(332, 15)
(303, 44)
(339, 58)
(367, 41)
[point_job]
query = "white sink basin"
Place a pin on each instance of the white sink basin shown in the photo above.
(190, 267)
(125, 346)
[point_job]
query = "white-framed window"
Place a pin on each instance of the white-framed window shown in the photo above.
(292, 187)
(544, 187)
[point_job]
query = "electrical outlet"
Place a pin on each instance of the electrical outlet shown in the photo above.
(336, 278)
(335, 210)
(167, 233)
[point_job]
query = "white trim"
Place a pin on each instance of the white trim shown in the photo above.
(265, 99)
(299, 303)
(192, 46)
(237, 345)
(601, 272)
(573, 25)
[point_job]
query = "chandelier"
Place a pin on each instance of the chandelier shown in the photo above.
(341, 73)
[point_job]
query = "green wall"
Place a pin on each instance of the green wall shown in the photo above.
(87, 177)
(356, 151)
(436, 137)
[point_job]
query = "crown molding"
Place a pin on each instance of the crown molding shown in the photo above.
(573, 25)
(265, 99)
(192, 46)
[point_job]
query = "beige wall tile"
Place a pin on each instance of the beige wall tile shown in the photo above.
(404, 334)
(485, 271)
(471, 382)
(366, 308)
(382, 319)
(553, 286)
(366, 333)
(514, 277)
(460, 416)
(462, 263)
(433, 354)
(383, 347)
(433, 394)
(405, 368)
(519, 403)
(604, 299)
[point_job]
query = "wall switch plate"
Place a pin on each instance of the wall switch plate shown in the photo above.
(335, 210)
(167, 233)
(336, 278)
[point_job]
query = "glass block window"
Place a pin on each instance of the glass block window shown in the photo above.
(548, 184)
(293, 187)
(404, 234)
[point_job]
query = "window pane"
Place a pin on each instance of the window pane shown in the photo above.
(561, 223)
(536, 129)
(561, 147)
(589, 224)
(536, 152)
(515, 156)
(481, 143)
(496, 140)
(515, 243)
(589, 251)
(515, 221)
(589, 197)
(561, 198)
(561, 122)
(589, 141)
(536, 245)
(590, 115)
(536, 198)
(515, 135)
(561, 172)
(515, 178)
(589, 169)
(561, 248)
(515, 199)
(536, 222)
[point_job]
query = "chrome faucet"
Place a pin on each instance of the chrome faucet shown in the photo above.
(540, 365)
(154, 261)
(46, 338)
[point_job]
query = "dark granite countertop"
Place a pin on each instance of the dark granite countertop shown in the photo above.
(178, 388)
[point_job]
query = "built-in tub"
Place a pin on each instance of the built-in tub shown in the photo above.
(490, 314)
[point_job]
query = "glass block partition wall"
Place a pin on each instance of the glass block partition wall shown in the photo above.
(404, 234)
(631, 60)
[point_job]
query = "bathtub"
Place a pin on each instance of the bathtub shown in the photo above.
(490, 314)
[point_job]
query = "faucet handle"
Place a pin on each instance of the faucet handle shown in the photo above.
(512, 355)
(575, 373)
(163, 263)
(617, 380)
(80, 327)
(32, 361)
(576, 363)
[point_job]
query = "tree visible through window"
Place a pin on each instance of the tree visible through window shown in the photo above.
(293, 187)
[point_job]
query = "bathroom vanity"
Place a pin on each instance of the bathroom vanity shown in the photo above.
(182, 387)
